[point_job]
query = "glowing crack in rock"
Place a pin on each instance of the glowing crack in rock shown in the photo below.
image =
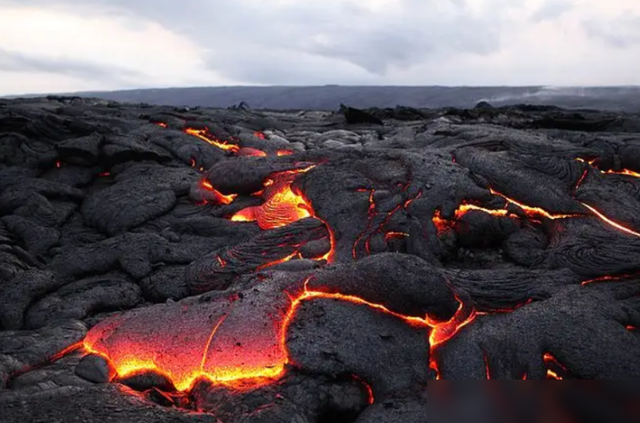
(610, 222)
(535, 211)
(207, 137)
(443, 224)
(624, 172)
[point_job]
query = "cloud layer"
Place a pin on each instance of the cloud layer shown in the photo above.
(110, 44)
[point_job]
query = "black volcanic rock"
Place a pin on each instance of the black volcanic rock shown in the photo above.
(95, 369)
(356, 116)
(128, 204)
(262, 266)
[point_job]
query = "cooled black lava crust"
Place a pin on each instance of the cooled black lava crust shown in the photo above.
(366, 253)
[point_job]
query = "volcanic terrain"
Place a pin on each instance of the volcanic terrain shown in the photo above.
(225, 265)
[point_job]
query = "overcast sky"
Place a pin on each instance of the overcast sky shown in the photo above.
(72, 45)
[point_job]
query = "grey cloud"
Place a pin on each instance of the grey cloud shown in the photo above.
(283, 67)
(550, 10)
(623, 32)
(414, 32)
(18, 62)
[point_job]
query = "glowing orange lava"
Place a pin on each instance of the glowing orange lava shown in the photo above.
(534, 211)
(281, 153)
(551, 361)
(235, 350)
(283, 206)
(611, 222)
(444, 225)
(371, 212)
(219, 197)
(251, 152)
(395, 235)
(207, 137)
(625, 172)
(538, 212)
(282, 260)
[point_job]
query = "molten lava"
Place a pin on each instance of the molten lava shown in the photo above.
(282, 205)
(207, 137)
(553, 367)
(444, 225)
(231, 342)
(395, 235)
(373, 215)
(535, 212)
(624, 172)
(610, 222)
(218, 196)
(251, 152)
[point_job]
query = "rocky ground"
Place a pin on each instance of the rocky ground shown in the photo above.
(166, 264)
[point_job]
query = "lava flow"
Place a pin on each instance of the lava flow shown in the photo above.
(236, 343)
(610, 222)
(282, 205)
(207, 137)
(217, 195)
(535, 212)
(553, 367)
(383, 220)
(443, 224)
(624, 172)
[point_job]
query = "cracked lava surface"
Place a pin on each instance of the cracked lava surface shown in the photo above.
(212, 267)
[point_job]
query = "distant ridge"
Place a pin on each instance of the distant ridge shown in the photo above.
(329, 97)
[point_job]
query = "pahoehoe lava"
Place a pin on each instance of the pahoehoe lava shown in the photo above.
(166, 264)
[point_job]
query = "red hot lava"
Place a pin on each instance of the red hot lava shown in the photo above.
(625, 172)
(532, 212)
(218, 196)
(228, 344)
(207, 137)
(283, 205)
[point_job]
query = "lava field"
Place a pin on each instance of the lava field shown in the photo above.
(168, 264)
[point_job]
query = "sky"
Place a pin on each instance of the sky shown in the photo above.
(78, 45)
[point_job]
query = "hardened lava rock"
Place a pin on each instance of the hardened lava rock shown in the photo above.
(165, 264)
